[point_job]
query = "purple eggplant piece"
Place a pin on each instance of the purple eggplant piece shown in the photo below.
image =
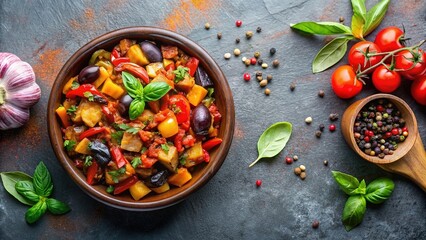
(202, 79)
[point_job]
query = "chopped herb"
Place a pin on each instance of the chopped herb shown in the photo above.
(133, 130)
(71, 110)
(117, 136)
(136, 162)
(117, 173)
(110, 189)
(121, 126)
(176, 109)
(69, 144)
(180, 73)
(75, 85)
(89, 96)
(165, 148)
(210, 92)
(143, 149)
(88, 161)
(182, 159)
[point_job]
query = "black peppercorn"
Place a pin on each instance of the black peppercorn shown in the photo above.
(272, 51)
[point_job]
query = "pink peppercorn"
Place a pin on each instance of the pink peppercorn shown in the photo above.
(258, 182)
(289, 160)
(253, 61)
(247, 76)
(238, 23)
(332, 128)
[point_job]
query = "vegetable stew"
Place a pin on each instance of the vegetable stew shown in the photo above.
(139, 117)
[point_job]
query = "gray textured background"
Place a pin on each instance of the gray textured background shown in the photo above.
(46, 33)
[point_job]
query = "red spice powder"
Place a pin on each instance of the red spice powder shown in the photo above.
(49, 64)
(86, 21)
(238, 132)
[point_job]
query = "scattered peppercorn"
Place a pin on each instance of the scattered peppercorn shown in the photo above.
(318, 133)
(263, 83)
(249, 34)
(243, 59)
(315, 224)
(219, 35)
(272, 51)
(247, 76)
(321, 127)
(258, 182)
(264, 65)
(302, 167)
(275, 63)
(341, 19)
(259, 78)
(227, 55)
(308, 120)
(325, 163)
(253, 61)
(321, 93)
(258, 29)
(333, 116)
(288, 160)
(332, 127)
(247, 62)
(295, 158)
(260, 61)
(207, 26)
(237, 40)
(238, 23)
(303, 175)
(292, 86)
(256, 54)
(237, 52)
(267, 91)
(269, 77)
(297, 171)
(258, 73)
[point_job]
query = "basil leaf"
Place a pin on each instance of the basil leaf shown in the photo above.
(354, 210)
(136, 108)
(322, 28)
(42, 181)
(155, 91)
(346, 182)
(36, 211)
(375, 16)
(26, 189)
(330, 54)
(273, 140)
(379, 190)
(133, 86)
(10, 179)
(358, 18)
(361, 189)
(56, 206)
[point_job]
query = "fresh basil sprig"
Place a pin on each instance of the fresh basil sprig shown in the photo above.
(152, 92)
(376, 192)
(273, 140)
(34, 191)
(363, 23)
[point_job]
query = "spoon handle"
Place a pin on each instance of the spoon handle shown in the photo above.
(412, 165)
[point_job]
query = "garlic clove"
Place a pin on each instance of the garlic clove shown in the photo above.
(13, 117)
(6, 59)
(25, 97)
(18, 76)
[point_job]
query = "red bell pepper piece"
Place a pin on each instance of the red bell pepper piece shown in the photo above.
(211, 143)
(118, 61)
(114, 54)
(148, 162)
(82, 89)
(134, 69)
(164, 102)
(171, 67)
(108, 114)
(206, 156)
(91, 173)
(125, 184)
(181, 104)
(118, 156)
(192, 64)
(91, 131)
(178, 140)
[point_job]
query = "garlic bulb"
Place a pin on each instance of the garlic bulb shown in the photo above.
(18, 91)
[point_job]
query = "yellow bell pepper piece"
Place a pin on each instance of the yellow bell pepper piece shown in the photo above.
(166, 62)
(196, 94)
(62, 114)
(168, 127)
(107, 65)
(112, 89)
(152, 69)
(68, 85)
(103, 75)
(83, 146)
(139, 190)
(136, 55)
(164, 188)
(180, 178)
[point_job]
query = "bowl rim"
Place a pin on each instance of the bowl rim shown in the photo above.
(138, 32)
(409, 143)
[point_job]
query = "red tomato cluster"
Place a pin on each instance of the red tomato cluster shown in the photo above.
(386, 62)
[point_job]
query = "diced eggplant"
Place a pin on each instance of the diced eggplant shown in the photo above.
(100, 152)
(170, 159)
(202, 78)
(131, 142)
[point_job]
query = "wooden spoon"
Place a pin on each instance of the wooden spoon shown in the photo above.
(409, 159)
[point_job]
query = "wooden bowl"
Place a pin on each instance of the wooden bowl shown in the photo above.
(409, 159)
(201, 175)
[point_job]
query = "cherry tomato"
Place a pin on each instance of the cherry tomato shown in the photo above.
(345, 83)
(386, 80)
(358, 55)
(413, 63)
(418, 90)
(390, 39)
(180, 105)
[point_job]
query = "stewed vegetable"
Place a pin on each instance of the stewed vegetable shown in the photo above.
(136, 119)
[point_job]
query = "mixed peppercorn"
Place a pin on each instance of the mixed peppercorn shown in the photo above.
(379, 128)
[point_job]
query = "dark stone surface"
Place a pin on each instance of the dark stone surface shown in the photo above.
(46, 33)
